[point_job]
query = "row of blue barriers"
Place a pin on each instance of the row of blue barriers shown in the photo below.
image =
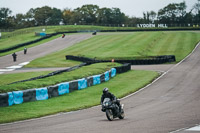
(19, 97)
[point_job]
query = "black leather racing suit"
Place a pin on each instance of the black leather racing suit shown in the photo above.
(112, 97)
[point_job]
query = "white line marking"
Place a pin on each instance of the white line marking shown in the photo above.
(14, 67)
(23, 64)
(197, 128)
(6, 70)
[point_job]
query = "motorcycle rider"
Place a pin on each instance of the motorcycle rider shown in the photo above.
(107, 94)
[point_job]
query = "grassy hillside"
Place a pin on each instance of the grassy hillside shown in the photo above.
(28, 34)
(126, 46)
(10, 39)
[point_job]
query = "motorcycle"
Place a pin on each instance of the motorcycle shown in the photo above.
(112, 109)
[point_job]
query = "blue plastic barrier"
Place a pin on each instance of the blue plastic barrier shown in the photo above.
(10, 99)
(63, 88)
(96, 79)
(17, 97)
(42, 34)
(107, 76)
(82, 83)
(41, 94)
(113, 72)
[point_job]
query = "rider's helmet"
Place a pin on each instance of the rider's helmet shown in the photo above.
(105, 90)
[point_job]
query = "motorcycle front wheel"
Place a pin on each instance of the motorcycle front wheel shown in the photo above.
(122, 115)
(109, 114)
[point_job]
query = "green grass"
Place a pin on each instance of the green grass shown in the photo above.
(132, 45)
(10, 39)
(140, 44)
(60, 62)
(14, 41)
(9, 78)
(8, 42)
(179, 44)
(120, 85)
(82, 72)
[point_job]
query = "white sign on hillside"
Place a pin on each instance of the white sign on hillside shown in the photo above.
(152, 25)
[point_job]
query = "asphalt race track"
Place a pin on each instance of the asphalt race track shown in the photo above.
(170, 104)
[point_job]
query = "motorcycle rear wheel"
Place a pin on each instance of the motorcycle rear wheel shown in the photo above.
(109, 114)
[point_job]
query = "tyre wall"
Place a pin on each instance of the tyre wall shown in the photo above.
(153, 60)
(19, 97)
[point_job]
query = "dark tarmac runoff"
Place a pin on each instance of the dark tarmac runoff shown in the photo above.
(170, 104)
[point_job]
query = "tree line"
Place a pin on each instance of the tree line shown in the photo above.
(172, 14)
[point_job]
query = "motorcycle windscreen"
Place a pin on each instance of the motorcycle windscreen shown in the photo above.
(106, 100)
